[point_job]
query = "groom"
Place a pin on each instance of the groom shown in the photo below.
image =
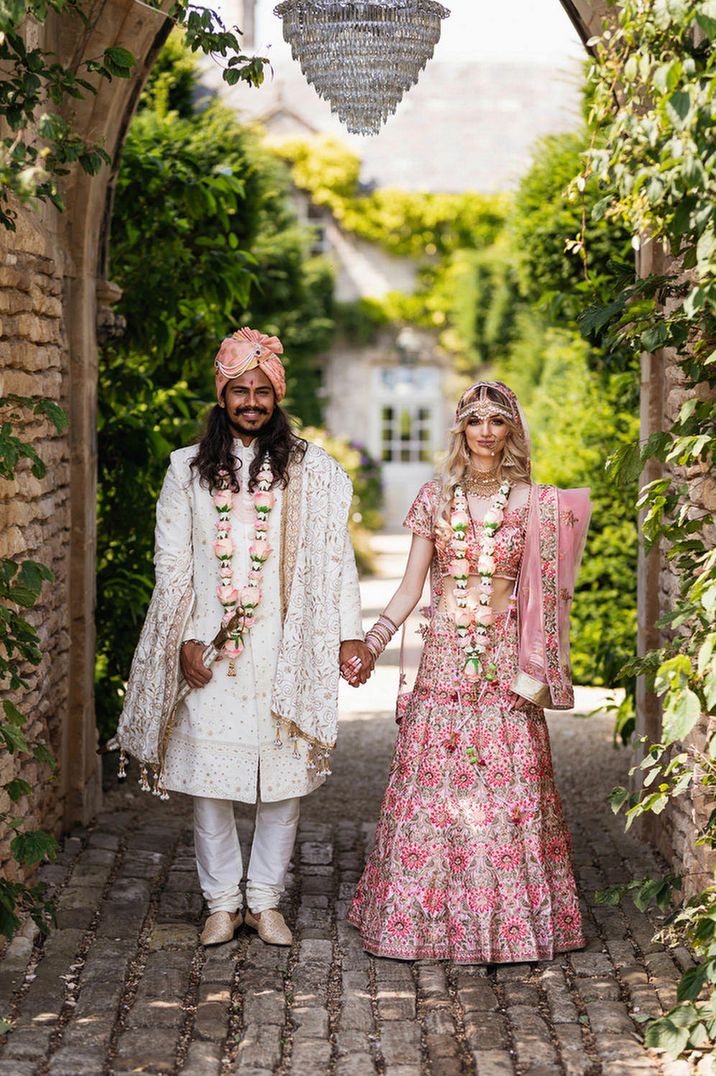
(252, 520)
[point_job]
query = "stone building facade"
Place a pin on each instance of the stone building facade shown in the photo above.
(55, 295)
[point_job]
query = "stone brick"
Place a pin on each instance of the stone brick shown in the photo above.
(395, 1001)
(493, 1063)
(70, 1061)
(147, 1048)
(575, 1059)
(485, 1030)
(400, 1042)
(259, 1049)
(268, 1007)
(353, 1052)
(609, 1016)
(356, 1015)
(591, 963)
(203, 1059)
(309, 1057)
(478, 995)
(531, 1036)
(310, 1023)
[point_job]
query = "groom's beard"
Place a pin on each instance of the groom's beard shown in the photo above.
(240, 427)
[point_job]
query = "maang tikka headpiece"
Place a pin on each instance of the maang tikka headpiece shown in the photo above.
(482, 407)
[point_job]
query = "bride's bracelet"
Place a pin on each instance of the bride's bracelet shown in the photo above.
(378, 637)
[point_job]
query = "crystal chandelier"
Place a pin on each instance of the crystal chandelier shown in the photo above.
(362, 55)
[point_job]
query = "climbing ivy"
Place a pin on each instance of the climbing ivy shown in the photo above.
(21, 583)
(657, 162)
(42, 144)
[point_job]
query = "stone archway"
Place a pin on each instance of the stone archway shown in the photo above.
(55, 286)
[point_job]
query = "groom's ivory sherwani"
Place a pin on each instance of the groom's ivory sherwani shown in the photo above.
(255, 734)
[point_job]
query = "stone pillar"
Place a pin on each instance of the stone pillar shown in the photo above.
(648, 720)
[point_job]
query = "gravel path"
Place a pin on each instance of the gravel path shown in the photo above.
(123, 986)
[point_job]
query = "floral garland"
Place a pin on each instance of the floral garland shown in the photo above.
(473, 621)
(249, 597)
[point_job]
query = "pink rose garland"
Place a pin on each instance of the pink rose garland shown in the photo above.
(472, 623)
(248, 599)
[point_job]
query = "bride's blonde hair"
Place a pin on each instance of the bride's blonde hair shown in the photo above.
(515, 460)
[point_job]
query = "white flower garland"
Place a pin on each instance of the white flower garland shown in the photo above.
(249, 598)
(472, 620)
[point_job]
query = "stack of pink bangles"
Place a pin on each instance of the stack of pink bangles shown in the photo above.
(380, 635)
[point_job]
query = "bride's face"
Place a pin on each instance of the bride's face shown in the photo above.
(486, 440)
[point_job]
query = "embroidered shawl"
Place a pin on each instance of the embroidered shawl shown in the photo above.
(305, 697)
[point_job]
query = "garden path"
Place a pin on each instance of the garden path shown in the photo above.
(123, 986)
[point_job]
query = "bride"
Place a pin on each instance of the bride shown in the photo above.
(471, 861)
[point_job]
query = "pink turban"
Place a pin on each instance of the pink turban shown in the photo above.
(246, 350)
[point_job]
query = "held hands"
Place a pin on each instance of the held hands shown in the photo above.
(193, 668)
(356, 662)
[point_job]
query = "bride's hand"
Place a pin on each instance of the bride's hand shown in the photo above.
(356, 662)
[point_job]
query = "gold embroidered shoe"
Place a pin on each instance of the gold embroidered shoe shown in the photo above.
(220, 927)
(271, 927)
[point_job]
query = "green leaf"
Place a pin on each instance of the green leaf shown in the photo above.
(32, 847)
(13, 738)
(672, 673)
(678, 108)
(12, 714)
(17, 788)
(41, 753)
(681, 712)
(692, 982)
(663, 1034)
(706, 18)
(617, 798)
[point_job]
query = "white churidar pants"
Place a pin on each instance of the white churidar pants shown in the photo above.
(218, 853)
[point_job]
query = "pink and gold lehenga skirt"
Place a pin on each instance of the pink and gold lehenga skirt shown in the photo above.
(471, 862)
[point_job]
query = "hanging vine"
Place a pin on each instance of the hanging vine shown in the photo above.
(41, 144)
(658, 162)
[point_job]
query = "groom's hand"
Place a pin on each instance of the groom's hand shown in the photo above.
(356, 661)
(193, 668)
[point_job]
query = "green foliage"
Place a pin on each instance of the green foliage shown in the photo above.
(12, 423)
(581, 399)
(41, 145)
(406, 223)
(20, 585)
(438, 231)
(658, 171)
(198, 193)
(364, 472)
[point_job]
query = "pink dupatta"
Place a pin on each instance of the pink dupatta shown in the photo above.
(554, 542)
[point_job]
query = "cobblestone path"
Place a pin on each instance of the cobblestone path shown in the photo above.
(123, 986)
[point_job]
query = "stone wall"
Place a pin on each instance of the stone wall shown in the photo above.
(663, 391)
(35, 512)
(675, 833)
(53, 295)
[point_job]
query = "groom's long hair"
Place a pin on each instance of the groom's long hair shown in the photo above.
(215, 452)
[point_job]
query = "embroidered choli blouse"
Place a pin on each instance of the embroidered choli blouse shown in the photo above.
(509, 539)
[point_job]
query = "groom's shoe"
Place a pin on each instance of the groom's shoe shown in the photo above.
(220, 927)
(271, 927)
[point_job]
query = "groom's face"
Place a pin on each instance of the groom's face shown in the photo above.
(249, 401)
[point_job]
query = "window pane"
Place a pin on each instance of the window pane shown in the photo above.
(405, 424)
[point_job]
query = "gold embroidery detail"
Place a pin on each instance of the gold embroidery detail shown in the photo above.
(290, 530)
